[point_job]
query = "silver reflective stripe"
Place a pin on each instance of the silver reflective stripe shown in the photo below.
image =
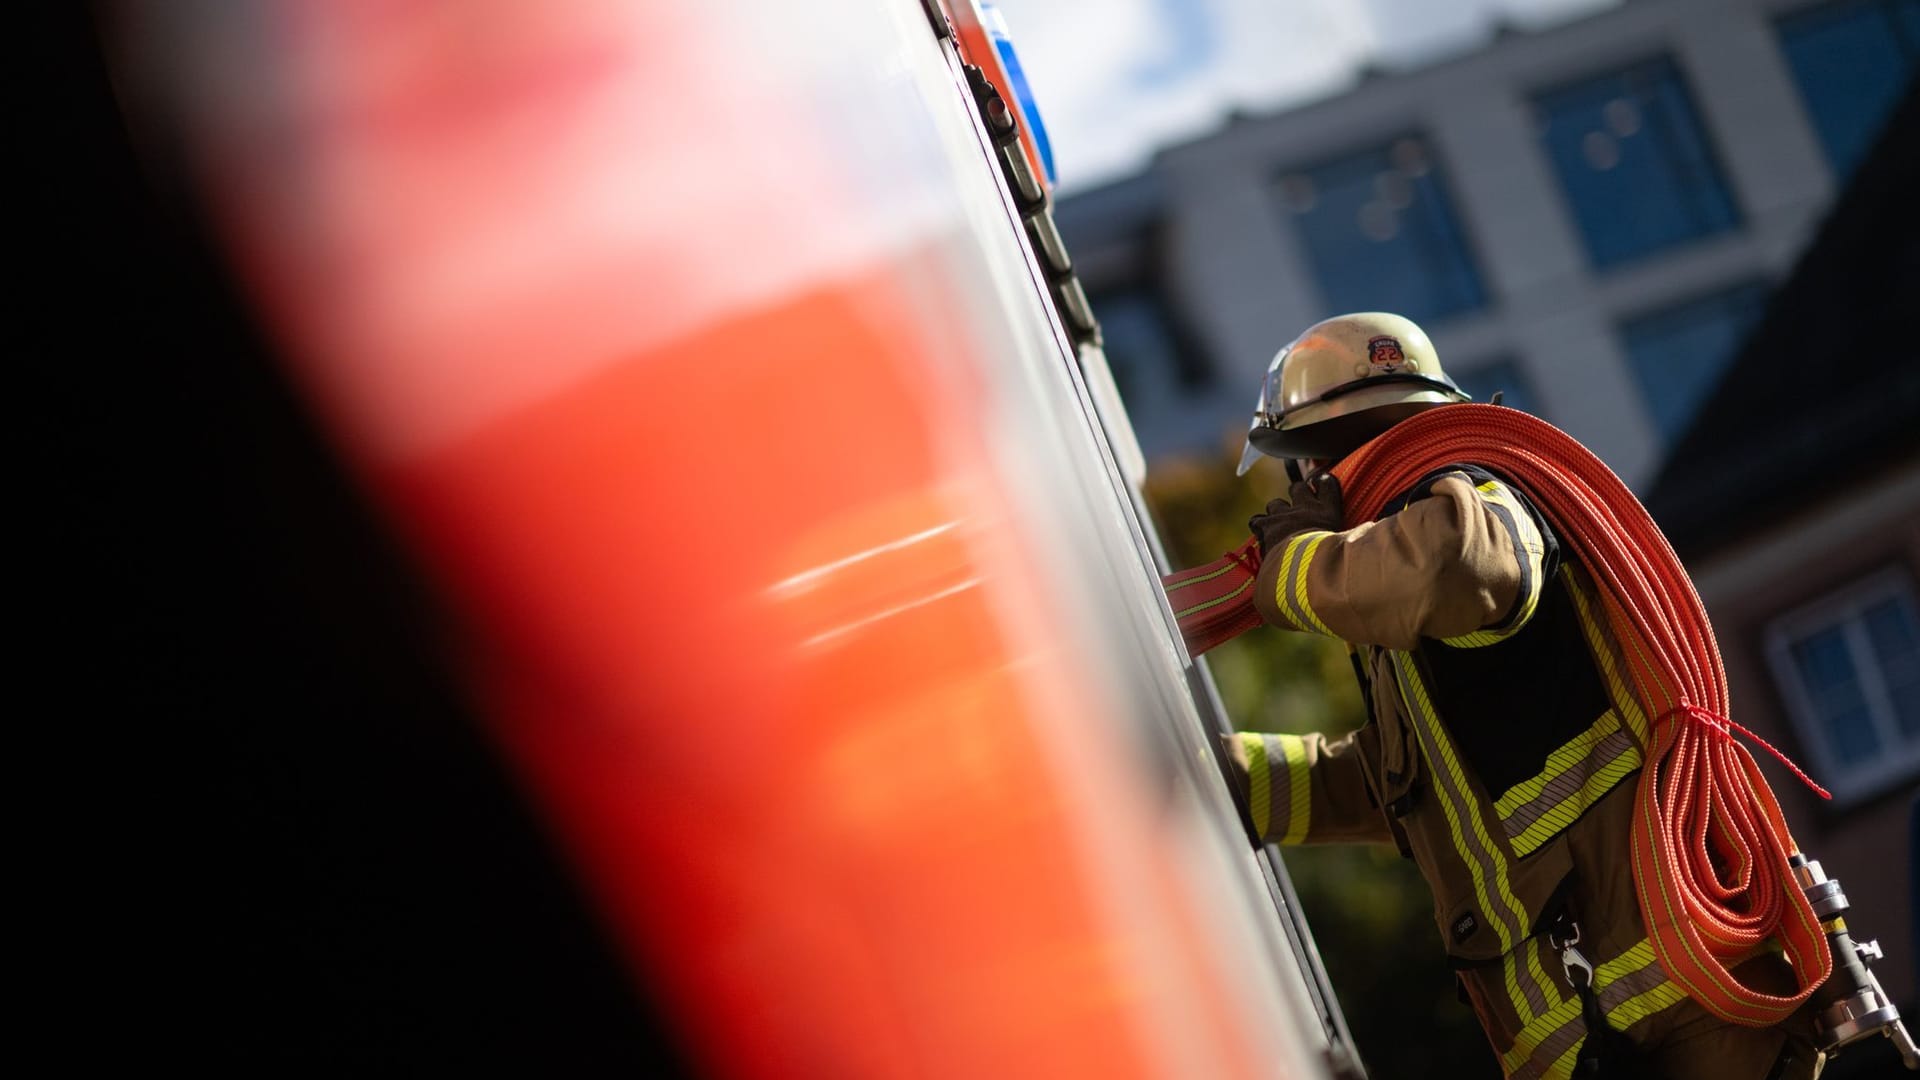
(1569, 782)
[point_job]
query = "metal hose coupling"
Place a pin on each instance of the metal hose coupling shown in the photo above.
(1850, 1006)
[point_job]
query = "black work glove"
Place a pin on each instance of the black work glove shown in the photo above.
(1315, 505)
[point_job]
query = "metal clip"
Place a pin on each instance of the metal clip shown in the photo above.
(1575, 960)
(1571, 958)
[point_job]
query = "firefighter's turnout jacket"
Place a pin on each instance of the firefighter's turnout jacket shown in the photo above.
(1501, 758)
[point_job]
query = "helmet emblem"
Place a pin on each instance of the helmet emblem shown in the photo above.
(1383, 352)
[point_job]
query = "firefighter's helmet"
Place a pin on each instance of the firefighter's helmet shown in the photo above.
(1342, 382)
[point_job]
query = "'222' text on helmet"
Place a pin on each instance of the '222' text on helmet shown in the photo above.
(1342, 382)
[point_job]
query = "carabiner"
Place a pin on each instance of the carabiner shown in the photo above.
(1575, 960)
(1571, 958)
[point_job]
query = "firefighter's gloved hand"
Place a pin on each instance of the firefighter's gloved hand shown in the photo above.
(1315, 506)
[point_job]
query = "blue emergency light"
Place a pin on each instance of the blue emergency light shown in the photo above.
(1022, 93)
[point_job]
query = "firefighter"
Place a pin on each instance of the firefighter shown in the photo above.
(1503, 744)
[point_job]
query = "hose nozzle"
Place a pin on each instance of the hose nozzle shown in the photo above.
(1851, 1005)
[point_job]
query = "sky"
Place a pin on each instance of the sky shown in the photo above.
(1116, 79)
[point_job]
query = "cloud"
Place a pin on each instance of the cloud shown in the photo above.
(1118, 79)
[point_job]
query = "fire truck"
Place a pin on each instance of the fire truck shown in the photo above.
(720, 371)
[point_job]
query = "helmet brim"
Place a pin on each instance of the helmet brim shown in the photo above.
(1337, 436)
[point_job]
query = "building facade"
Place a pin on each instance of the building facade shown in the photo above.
(1588, 218)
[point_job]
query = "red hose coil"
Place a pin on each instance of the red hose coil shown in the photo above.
(1701, 796)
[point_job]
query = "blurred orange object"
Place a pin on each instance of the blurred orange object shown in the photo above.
(692, 348)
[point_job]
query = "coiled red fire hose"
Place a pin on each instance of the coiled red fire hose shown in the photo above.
(1701, 795)
(1702, 800)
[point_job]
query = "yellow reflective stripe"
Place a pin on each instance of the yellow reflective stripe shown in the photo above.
(1300, 583)
(1568, 810)
(1299, 795)
(1550, 991)
(1570, 753)
(1535, 996)
(1292, 589)
(1536, 809)
(1530, 540)
(1536, 1033)
(1530, 548)
(1609, 977)
(1643, 1005)
(1489, 872)
(1283, 582)
(1637, 956)
(1259, 789)
(1528, 988)
(1491, 878)
(1216, 601)
(1599, 643)
(1631, 987)
(1471, 839)
(1279, 797)
(1562, 1067)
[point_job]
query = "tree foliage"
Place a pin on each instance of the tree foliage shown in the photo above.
(1371, 913)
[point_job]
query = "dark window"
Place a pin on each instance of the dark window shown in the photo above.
(1144, 344)
(1849, 666)
(1482, 380)
(1852, 60)
(1381, 234)
(1678, 353)
(1634, 162)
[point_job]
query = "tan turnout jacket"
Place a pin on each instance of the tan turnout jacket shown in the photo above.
(1501, 756)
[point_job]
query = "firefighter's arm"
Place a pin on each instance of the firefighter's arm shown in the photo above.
(1304, 789)
(1464, 564)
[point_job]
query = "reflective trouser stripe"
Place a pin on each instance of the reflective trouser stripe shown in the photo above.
(1473, 841)
(1632, 987)
(1278, 786)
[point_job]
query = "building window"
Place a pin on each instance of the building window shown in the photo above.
(1381, 234)
(1679, 352)
(1482, 380)
(1634, 162)
(1144, 344)
(1848, 666)
(1151, 346)
(1852, 60)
